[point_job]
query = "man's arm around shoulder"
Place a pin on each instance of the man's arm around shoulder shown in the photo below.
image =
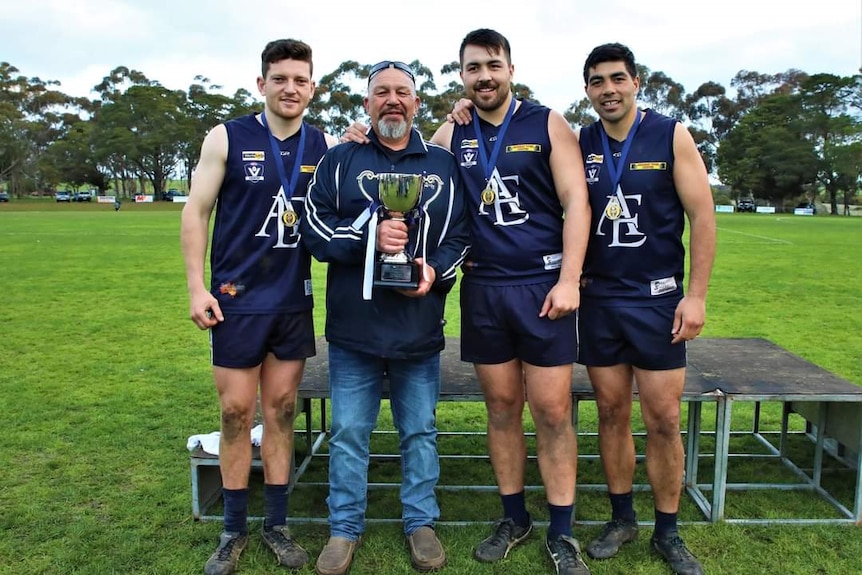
(443, 136)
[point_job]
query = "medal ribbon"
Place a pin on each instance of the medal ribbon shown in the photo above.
(616, 176)
(488, 165)
(286, 185)
(370, 251)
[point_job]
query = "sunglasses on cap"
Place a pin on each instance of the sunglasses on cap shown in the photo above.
(380, 66)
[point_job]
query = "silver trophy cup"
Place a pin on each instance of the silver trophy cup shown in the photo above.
(399, 194)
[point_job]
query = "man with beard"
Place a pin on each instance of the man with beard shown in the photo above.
(258, 306)
(645, 177)
(377, 332)
(523, 173)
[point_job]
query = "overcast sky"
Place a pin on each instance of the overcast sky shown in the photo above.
(79, 42)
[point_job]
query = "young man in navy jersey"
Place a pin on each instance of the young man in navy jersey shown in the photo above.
(376, 331)
(523, 173)
(645, 176)
(258, 304)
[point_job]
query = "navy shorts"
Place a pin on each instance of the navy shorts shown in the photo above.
(502, 323)
(242, 341)
(637, 336)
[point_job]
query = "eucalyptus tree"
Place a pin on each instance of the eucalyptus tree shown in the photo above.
(768, 154)
(664, 95)
(580, 114)
(143, 125)
(72, 158)
(436, 106)
(33, 114)
(205, 107)
(709, 110)
(338, 99)
(834, 126)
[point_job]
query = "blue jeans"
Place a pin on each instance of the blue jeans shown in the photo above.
(355, 382)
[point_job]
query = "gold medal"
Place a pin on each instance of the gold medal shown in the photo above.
(488, 196)
(613, 210)
(289, 218)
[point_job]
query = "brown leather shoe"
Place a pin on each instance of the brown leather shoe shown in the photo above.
(336, 557)
(426, 551)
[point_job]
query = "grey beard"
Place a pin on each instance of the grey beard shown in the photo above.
(391, 130)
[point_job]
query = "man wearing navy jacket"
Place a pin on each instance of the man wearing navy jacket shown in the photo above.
(376, 331)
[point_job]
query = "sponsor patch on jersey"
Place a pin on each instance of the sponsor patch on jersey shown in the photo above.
(250, 156)
(474, 143)
(524, 148)
(307, 169)
(595, 159)
(553, 261)
(253, 172)
(306, 284)
(593, 174)
(637, 166)
(662, 286)
(231, 289)
(468, 158)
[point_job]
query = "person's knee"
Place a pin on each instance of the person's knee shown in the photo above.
(504, 414)
(614, 413)
(235, 421)
(281, 411)
(664, 425)
(554, 416)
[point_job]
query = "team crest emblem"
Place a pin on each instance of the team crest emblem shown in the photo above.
(468, 158)
(613, 210)
(253, 172)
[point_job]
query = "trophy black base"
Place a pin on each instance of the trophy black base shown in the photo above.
(396, 275)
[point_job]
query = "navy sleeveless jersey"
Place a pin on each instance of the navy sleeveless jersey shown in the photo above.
(635, 254)
(517, 236)
(258, 263)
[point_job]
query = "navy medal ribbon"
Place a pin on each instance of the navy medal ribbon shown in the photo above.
(614, 207)
(488, 196)
(289, 217)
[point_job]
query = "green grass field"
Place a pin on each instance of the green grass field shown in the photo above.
(103, 378)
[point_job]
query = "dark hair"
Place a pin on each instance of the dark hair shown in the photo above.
(491, 40)
(285, 49)
(614, 52)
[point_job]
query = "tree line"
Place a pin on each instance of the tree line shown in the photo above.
(777, 137)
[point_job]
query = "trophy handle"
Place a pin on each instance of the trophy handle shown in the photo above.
(433, 181)
(365, 175)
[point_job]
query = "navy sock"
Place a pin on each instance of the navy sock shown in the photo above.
(622, 506)
(274, 505)
(515, 507)
(235, 510)
(665, 524)
(561, 520)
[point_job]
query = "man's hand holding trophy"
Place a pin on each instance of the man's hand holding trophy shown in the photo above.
(399, 232)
